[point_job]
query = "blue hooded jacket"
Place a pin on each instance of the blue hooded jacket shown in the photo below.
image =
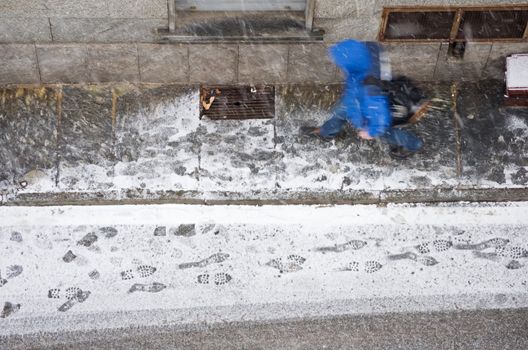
(365, 105)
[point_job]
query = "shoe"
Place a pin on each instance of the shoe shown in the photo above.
(341, 136)
(312, 131)
(398, 152)
(309, 130)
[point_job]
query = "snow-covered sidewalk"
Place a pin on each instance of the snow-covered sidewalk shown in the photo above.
(137, 143)
(82, 268)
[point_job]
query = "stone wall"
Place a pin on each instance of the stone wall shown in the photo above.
(81, 21)
(155, 63)
(70, 41)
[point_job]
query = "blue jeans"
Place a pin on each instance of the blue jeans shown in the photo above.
(393, 136)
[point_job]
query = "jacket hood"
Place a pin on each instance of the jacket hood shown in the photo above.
(352, 56)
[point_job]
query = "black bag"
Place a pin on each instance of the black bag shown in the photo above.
(404, 97)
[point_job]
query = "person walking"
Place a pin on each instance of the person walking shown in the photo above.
(364, 103)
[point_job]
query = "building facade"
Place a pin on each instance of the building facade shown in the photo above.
(236, 42)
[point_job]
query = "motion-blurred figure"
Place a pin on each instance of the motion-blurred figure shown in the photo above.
(376, 107)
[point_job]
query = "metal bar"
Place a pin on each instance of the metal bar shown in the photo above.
(315, 36)
(487, 40)
(456, 122)
(420, 9)
(456, 25)
(309, 13)
(479, 40)
(240, 106)
(248, 115)
(416, 41)
(240, 109)
(455, 8)
(253, 114)
(525, 36)
(172, 15)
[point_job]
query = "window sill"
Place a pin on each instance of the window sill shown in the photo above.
(296, 37)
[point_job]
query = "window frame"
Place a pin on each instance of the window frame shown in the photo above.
(309, 15)
(459, 12)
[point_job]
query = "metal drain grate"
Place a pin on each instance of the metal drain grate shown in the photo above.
(237, 102)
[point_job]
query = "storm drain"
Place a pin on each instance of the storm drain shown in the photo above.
(237, 102)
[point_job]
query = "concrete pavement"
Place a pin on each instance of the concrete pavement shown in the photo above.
(145, 144)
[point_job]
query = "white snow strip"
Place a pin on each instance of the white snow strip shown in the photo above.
(163, 214)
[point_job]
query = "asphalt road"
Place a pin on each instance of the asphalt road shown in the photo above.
(482, 330)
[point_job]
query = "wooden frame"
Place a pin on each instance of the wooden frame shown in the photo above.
(456, 22)
(456, 25)
(309, 14)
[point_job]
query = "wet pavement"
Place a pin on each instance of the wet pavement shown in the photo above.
(129, 143)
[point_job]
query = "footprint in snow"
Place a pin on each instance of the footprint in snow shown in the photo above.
(81, 298)
(490, 243)
(369, 266)
(514, 265)
(339, 248)
(213, 259)
(12, 271)
(73, 295)
(88, 239)
(513, 252)
(438, 245)
(9, 309)
(149, 288)
(140, 271)
(502, 252)
(290, 263)
(16, 236)
(108, 232)
(68, 293)
(422, 259)
(218, 279)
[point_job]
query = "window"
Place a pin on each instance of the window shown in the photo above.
(422, 25)
(241, 5)
(455, 24)
(503, 24)
(242, 19)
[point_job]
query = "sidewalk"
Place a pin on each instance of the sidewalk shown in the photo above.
(145, 144)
